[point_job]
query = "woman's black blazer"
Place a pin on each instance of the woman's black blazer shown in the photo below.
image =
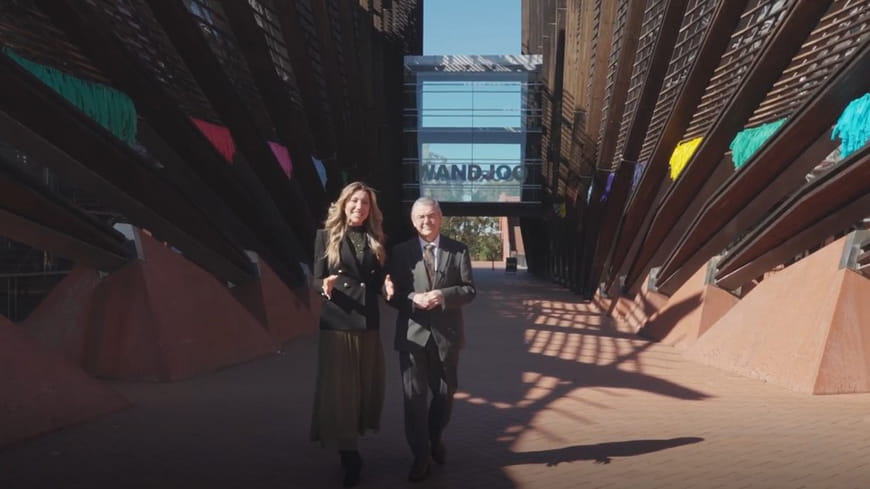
(354, 303)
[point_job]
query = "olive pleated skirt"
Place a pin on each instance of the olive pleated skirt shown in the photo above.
(349, 393)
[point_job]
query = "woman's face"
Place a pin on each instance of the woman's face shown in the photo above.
(357, 208)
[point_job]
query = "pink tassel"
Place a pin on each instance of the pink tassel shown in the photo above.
(219, 136)
(283, 157)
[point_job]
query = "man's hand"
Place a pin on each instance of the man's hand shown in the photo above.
(436, 297)
(428, 300)
(328, 283)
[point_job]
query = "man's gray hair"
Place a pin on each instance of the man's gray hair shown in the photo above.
(429, 201)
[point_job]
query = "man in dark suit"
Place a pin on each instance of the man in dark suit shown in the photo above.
(432, 280)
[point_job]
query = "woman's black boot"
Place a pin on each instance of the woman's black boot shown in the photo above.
(352, 463)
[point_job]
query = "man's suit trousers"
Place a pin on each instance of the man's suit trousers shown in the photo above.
(423, 371)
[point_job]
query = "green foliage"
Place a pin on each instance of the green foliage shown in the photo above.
(480, 234)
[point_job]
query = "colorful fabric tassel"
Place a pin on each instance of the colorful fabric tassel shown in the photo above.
(853, 126)
(747, 141)
(638, 174)
(283, 157)
(320, 169)
(219, 136)
(681, 156)
(607, 187)
(110, 108)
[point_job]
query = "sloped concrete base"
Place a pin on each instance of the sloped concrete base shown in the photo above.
(689, 313)
(845, 365)
(164, 318)
(806, 328)
(287, 314)
(40, 391)
(646, 305)
(59, 322)
(616, 306)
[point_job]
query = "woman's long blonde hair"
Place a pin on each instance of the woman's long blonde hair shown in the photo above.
(336, 224)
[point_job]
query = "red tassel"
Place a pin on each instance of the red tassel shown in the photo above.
(219, 136)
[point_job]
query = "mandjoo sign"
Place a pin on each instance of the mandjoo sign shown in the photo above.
(472, 173)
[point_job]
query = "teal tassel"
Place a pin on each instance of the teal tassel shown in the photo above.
(853, 126)
(747, 141)
(112, 109)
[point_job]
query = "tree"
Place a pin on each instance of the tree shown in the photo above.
(480, 234)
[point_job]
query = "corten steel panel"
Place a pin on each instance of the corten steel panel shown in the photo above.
(297, 26)
(651, 65)
(28, 31)
(643, 66)
(577, 146)
(757, 24)
(842, 29)
(657, 47)
(800, 144)
(780, 45)
(30, 213)
(693, 62)
(828, 205)
(554, 153)
(358, 129)
(89, 155)
(537, 16)
(602, 41)
(139, 57)
(629, 21)
(212, 55)
(332, 59)
(696, 20)
(261, 41)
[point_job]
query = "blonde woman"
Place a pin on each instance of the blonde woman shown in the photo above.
(349, 257)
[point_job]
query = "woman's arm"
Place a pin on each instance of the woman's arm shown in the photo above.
(322, 280)
(320, 268)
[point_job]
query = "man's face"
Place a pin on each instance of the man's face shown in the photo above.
(426, 220)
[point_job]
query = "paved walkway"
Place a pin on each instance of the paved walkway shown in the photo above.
(552, 396)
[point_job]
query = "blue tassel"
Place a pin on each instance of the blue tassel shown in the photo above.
(853, 126)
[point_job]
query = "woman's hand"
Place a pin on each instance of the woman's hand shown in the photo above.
(389, 287)
(328, 283)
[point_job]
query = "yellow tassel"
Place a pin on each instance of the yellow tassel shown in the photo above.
(681, 156)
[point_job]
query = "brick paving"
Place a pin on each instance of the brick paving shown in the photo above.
(552, 395)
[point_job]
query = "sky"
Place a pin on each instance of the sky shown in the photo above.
(472, 26)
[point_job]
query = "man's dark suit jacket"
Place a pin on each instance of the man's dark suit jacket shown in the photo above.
(444, 324)
(354, 304)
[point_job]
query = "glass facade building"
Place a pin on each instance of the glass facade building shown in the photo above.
(472, 129)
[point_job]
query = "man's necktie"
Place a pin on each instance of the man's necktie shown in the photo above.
(429, 261)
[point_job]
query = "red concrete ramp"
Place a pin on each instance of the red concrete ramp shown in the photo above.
(41, 391)
(689, 312)
(845, 365)
(806, 327)
(646, 305)
(164, 318)
(287, 314)
(59, 320)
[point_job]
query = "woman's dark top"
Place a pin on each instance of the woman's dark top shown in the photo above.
(354, 303)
